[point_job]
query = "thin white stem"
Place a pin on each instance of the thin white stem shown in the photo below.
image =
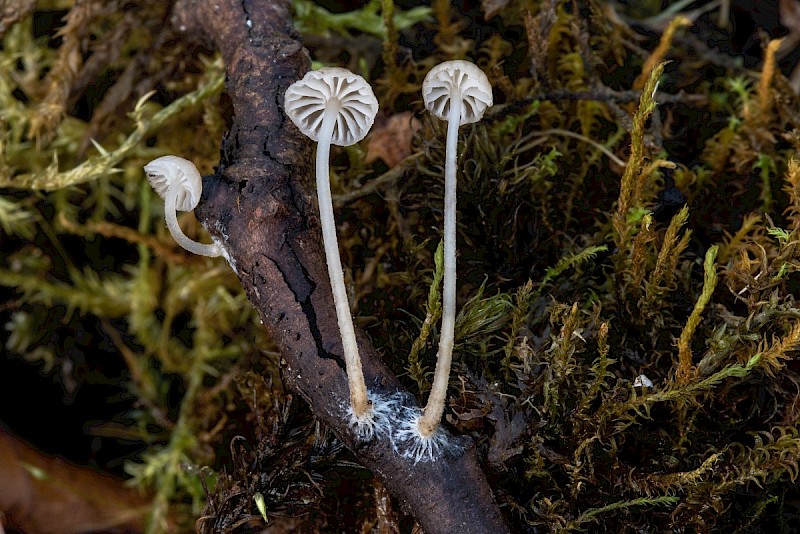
(170, 214)
(355, 375)
(432, 416)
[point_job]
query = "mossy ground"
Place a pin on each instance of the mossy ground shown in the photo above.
(609, 227)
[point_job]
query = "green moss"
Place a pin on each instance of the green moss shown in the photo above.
(577, 277)
(312, 19)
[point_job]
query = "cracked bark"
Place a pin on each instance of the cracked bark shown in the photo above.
(260, 203)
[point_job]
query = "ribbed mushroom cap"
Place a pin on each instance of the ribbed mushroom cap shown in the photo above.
(445, 78)
(306, 99)
(163, 171)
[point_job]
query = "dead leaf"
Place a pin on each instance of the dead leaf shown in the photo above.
(385, 515)
(42, 494)
(391, 140)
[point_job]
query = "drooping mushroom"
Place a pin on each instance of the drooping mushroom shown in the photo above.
(178, 182)
(458, 92)
(334, 106)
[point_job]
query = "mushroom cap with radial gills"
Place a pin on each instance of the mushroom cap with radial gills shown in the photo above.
(457, 77)
(306, 100)
(164, 171)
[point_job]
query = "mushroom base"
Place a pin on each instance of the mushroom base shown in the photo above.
(409, 441)
(377, 421)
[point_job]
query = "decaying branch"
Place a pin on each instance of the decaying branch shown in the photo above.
(260, 205)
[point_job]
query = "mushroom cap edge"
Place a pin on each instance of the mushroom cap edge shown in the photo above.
(476, 90)
(161, 172)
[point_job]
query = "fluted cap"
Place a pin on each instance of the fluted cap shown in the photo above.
(457, 77)
(306, 100)
(163, 171)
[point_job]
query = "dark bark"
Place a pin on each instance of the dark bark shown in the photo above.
(261, 203)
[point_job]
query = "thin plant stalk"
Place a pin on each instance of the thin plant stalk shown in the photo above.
(171, 216)
(430, 419)
(355, 375)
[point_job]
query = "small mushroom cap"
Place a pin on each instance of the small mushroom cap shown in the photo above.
(445, 78)
(163, 171)
(306, 99)
(642, 381)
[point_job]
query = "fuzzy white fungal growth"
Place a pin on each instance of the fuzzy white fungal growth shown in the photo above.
(376, 422)
(413, 444)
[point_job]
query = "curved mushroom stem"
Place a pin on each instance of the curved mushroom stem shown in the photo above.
(359, 401)
(430, 419)
(170, 214)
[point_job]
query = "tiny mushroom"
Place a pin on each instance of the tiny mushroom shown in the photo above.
(334, 106)
(642, 381)
(178, 182)
(458, 92)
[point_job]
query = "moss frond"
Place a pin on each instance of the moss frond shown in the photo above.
(775, 353)
(313, 19)
(591, 514)
(632, 176)
(662, 278)
(660, 53)
(432, 314)
(570, 262)
(51, 179)
(686, 368)
(16, 219)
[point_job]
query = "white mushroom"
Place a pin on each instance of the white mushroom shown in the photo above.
(178, 182)
(458, 92)
(333, 105)
(642, 381)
